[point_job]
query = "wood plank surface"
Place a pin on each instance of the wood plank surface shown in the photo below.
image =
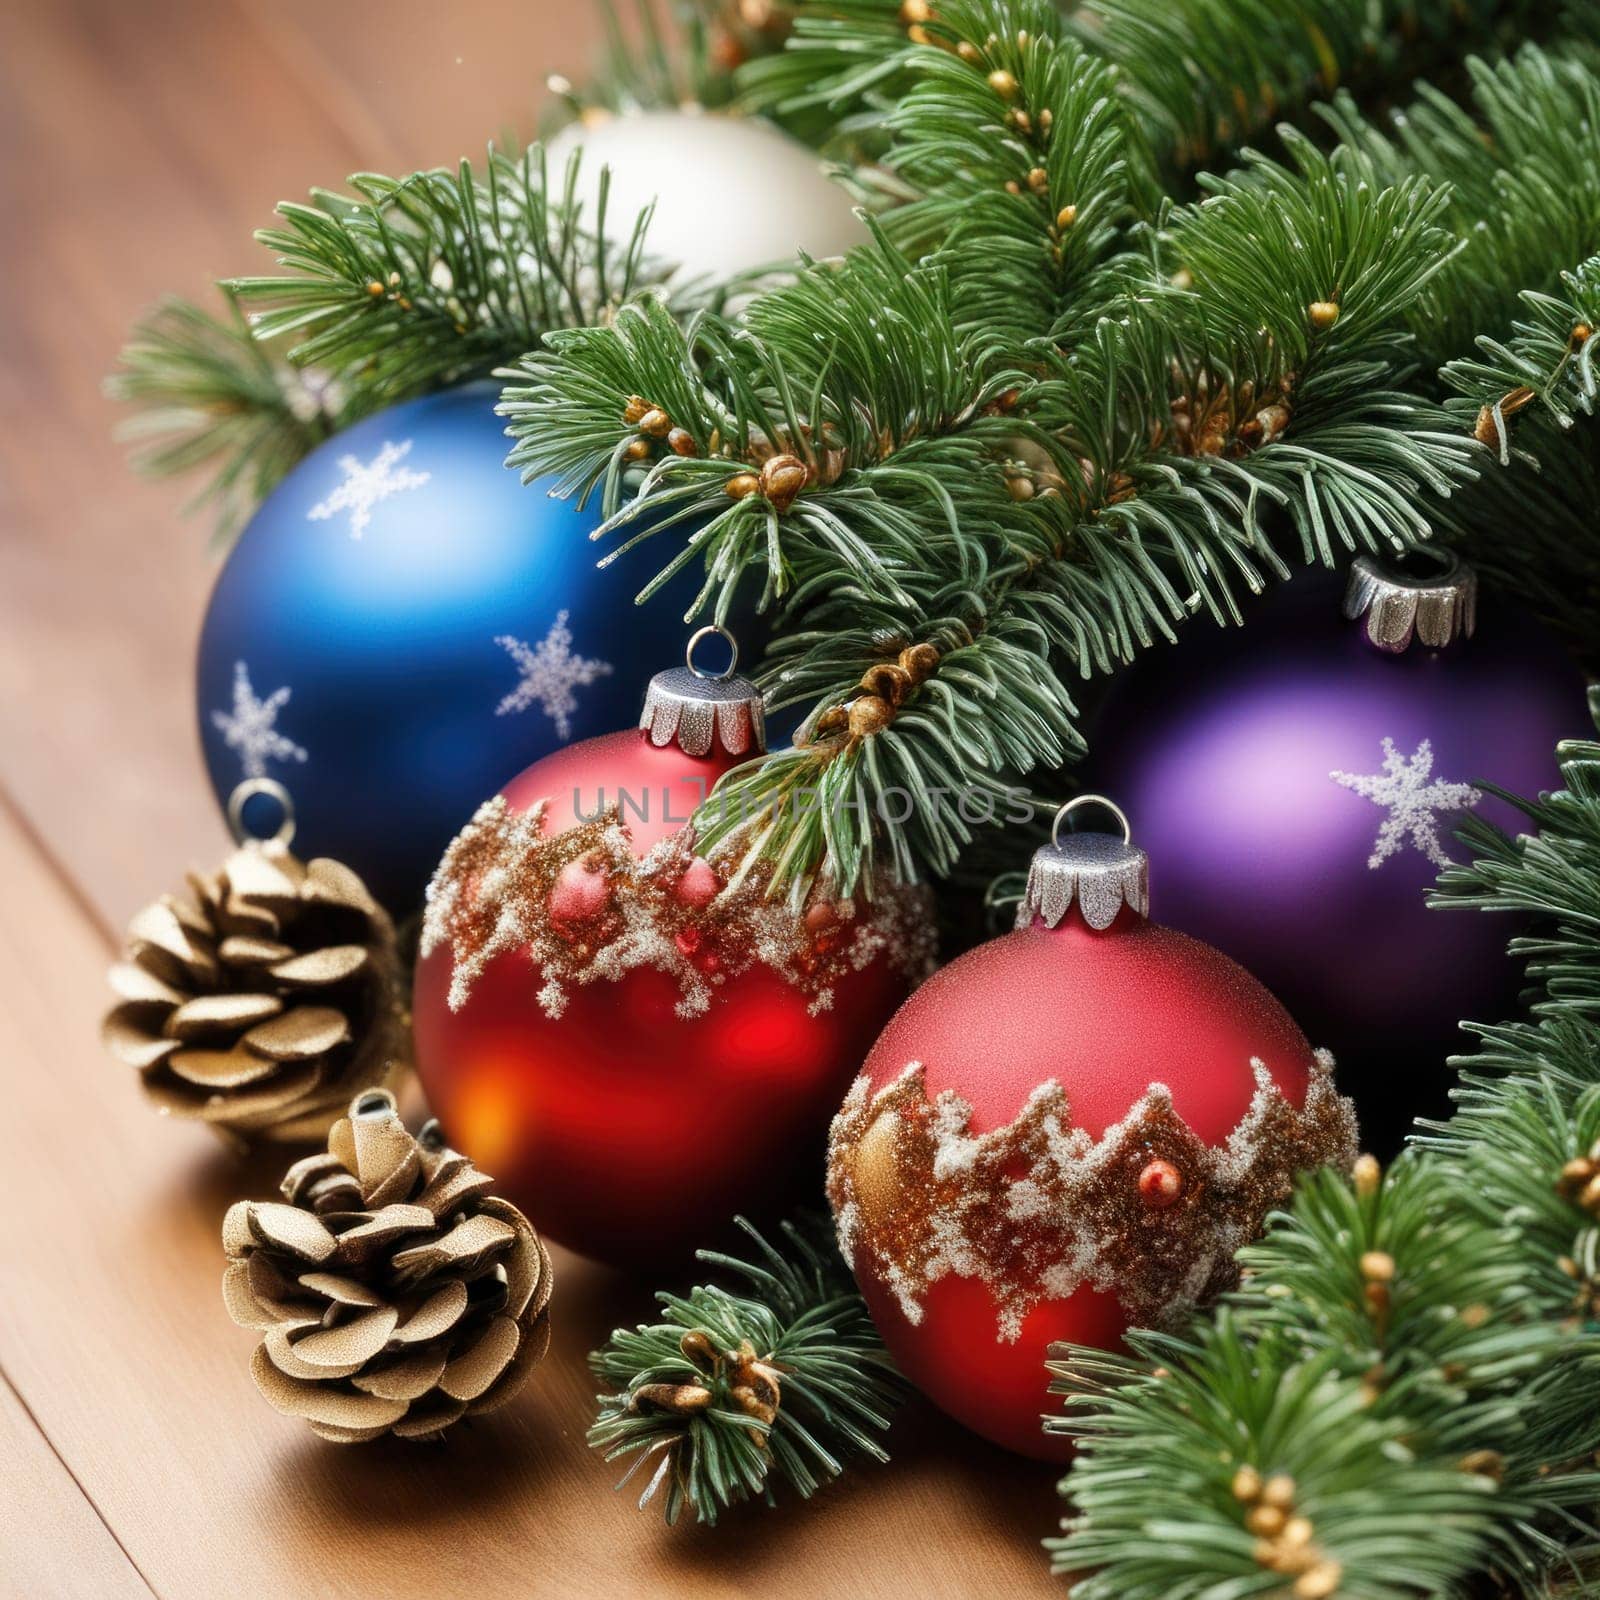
(139, 145)
(53, 1544)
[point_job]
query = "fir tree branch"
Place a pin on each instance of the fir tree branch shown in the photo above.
(1548, 364)
(1551, 873)
(412, 285)
(1200, 76)
(1205, 75)
(1024, 162)
(1529, 527)
(737, 1389)
(1237, 1463)
(1522, 177)
(212, 398)
(843, 63)
(425, 281)
(756, 435)
(853, 438)
(681, 54)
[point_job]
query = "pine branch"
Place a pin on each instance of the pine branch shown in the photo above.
(1401, 1313)
(1205, 75)
(412, 285)
(739, 1389)
(1523, 190)
(1200, 76)
(1233, 1462)
(1551, 873)
(212, 398)
(1024, 162)
(754, 435)
(683, 53)
(854, 438)
(1403, 1395)
(843, 64)
(1529, 527)
(428, 280)
(1548, 364)
(1522, 176)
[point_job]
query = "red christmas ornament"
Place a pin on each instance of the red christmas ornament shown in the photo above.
(638, 1042)
(1065, 1133)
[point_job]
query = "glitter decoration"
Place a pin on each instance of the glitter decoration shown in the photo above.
(1094, 871)
(251, 728)
(1037, 1209)
(1412, 801)
(550, 672)
(583, 907)
(366, 484)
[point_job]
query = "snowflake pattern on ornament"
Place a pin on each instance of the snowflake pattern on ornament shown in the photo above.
(1037, 1209)
(251, 727)
(368, 483)
(550, 672)
(1414, 803)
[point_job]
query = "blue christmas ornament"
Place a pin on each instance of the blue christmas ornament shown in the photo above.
(404, 626)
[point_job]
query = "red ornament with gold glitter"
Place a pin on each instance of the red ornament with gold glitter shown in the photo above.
(1067, 1133)
(634, 1037)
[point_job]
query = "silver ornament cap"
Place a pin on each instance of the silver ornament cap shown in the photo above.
(695, 709)
(1098, 872)
(1396, 607)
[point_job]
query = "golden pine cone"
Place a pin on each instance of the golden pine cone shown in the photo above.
(395, 1293)
(262, 1000)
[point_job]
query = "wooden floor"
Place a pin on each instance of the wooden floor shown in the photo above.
(139, 146)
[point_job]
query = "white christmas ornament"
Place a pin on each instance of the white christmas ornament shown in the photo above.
(731, 193)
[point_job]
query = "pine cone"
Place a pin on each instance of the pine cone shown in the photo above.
(395, 1296)
(262, 1000)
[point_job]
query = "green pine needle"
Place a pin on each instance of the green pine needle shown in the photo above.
(407, 286)
(419, 282)
(210, 398)
(775, 1380)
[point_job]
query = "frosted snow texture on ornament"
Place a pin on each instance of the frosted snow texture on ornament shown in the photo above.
(1412, 801)
(550, 672)
(366, 484)
(492, 894)
(251, 727)
(1037, 1209)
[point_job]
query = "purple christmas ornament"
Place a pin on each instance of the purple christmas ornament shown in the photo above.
(1300, 780)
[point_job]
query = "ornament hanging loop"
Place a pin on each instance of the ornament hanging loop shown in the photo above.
(1078, 802)
(695, 709)
(714, 631)
(247, 791)
(1098, 873)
